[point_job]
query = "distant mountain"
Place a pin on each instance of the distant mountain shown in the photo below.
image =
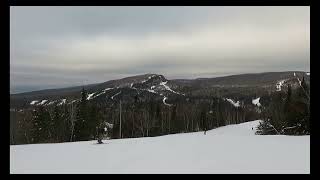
(156, 87)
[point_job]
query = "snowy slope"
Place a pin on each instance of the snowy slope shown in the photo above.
(229, 149)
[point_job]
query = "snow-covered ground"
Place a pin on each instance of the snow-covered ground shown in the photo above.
(229, 149)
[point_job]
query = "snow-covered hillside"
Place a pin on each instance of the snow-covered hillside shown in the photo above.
(229, 149)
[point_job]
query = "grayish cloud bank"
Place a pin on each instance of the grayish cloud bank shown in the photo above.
(54, 47)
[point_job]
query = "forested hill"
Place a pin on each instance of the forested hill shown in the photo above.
(152, 105)
(246, 84)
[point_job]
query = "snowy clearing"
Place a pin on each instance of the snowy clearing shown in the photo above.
(33, 102)
(229, 149)
(256, 102)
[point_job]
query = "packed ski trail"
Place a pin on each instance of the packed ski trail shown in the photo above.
(229, 149)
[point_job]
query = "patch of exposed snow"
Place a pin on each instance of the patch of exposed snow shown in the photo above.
(163, 83)
(308, 73)
(151, 76)
(51, 102)
(164, 101)
(294, 74)
(103, 92)
(33, 102)
(299, 81)
(152, 91)
(90, 96)
(279, 85)
(115, 95)
(63, 101)
(256, 101)
(42, 102)
(73, 101)
(152, 87)
(235, 104)
(107, 89)
(109, 125)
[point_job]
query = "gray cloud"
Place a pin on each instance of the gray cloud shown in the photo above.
(64, 46)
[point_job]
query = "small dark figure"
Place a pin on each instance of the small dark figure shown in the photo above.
(252, 128)
(100, 135)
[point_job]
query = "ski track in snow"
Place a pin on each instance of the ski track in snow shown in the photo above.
(164, 101)
(230, 149)
(115, 95)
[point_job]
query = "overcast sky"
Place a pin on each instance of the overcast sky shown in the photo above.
(53, 47)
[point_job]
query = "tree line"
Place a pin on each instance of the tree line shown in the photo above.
(142, 118)
(288, 112)
(281, 113)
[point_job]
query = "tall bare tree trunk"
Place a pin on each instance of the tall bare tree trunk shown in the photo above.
(72, 121)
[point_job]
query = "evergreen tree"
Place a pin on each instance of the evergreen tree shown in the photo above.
(42, 124)
(80, 129)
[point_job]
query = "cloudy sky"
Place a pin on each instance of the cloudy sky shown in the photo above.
(53, 47)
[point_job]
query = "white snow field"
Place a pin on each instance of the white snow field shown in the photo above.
(230, 149)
